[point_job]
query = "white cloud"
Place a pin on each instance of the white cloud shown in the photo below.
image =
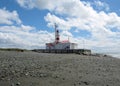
(20, 36)
(101, 5)
(67, 33)
(99, 24)
(13, 36)
(26, 3)
(7, 17)
(68, 7)
(52, 19)
(43, 4)
(68, 14)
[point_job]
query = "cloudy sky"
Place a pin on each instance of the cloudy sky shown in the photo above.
(93, 24)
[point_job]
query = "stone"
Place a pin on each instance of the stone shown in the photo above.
(27, 74)
(18, 83)
(12, 84)
(86, 83)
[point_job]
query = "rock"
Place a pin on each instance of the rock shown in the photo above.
(86, 83)
(63, 78)
(12, 84)
(27, 73)
(10, 65)
(43, 75)
(2, 77)
(74, 84)
(2, 65)
(13, 72)
(79, 83)
(69, 71)
(18, 83)
(55, 76)
(8, 79)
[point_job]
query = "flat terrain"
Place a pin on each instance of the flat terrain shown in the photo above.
(27, 68)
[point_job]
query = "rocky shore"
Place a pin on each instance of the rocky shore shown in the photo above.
(27, 68)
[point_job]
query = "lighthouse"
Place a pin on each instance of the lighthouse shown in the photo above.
(57, 44)
(57, 36)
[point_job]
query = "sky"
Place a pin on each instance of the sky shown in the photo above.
(29, 24)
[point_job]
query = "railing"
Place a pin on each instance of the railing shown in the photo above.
(77, 51)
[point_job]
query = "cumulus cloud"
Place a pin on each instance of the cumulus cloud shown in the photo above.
(104, 27)
(20, 36)
(58, 6)
(101, 5)
(14, 36)
(43, 4)
(7, 17)
(52, 19)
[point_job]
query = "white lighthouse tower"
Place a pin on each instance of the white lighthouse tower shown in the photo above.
(57, 36)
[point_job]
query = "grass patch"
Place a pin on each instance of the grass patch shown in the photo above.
(13, 49)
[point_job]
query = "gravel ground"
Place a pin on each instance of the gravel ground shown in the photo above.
(41, 69)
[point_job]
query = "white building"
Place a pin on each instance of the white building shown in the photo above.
(61, 45)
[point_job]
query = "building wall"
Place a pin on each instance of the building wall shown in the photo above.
(73, 46)
(61, 46)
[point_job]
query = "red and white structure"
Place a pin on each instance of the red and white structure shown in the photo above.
(60, 45)
(57, 37)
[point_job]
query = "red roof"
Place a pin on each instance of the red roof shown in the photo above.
(65, 41)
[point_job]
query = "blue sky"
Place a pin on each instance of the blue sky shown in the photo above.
(29, 23)
(33, 17)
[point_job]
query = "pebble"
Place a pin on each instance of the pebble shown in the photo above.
(27, 74)
(12, 84)
(63, 78)
(74, 84)
(86, 83)
(43, 75)
(18, 83)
